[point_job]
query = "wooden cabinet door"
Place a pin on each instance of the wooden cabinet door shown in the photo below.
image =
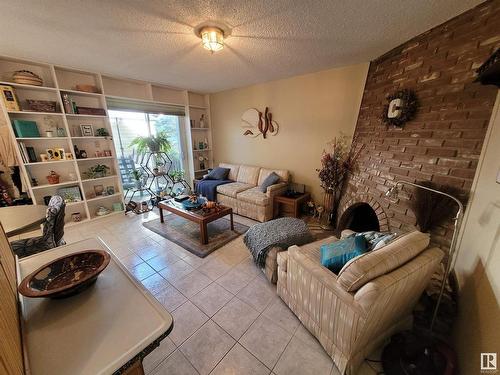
(8, 260)
(11, 357)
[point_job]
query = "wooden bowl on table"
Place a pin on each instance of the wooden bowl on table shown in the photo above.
(65, 276)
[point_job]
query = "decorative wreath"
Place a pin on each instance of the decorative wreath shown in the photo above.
(408, 109)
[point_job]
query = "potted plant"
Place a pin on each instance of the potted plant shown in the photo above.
(153, 143)
(137, 174)
(102, 132)
(97, 171)
(177, 176)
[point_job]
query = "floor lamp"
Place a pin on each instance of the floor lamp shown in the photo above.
(393, 193)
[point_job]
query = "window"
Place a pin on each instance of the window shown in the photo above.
(126, 125)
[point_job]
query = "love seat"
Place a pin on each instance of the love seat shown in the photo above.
(244, 196)
(371, 298)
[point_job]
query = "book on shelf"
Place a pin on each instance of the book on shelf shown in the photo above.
(9, 98)
(31, 154)
(25, 128)
(23, 152)
(67, 103)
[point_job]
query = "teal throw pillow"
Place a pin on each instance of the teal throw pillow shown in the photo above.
(336, 254)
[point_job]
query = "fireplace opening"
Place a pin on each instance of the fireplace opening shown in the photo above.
(360, 217)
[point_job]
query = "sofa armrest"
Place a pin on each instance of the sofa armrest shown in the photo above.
(324, 276)
(276, 189)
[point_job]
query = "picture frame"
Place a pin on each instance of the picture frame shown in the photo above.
(99, 190)
(87, 130)
(70, 193)
(55, 153)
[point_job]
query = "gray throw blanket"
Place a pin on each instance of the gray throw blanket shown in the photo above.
(283, 233)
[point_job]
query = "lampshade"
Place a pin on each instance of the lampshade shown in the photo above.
(212, 38)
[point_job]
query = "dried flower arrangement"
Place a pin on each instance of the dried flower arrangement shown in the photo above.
(336, 164)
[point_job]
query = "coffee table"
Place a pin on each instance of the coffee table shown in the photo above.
(196, 216)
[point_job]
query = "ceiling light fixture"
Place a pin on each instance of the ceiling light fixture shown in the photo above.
(212, 38)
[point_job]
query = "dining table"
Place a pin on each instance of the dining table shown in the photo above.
(21, 219)
(106, 329)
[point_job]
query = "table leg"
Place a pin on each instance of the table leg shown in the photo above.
(161, 214)
(204, 234)
(232, 222)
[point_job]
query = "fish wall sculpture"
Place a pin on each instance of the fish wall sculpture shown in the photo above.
(255, 123)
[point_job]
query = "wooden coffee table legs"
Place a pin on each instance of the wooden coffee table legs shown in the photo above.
(161, 214)
(204, 233)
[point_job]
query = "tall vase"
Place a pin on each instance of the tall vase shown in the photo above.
(328, 202)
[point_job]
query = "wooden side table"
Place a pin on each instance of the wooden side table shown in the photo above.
(288, 206)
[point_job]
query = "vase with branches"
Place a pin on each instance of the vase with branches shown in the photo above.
(338, 161)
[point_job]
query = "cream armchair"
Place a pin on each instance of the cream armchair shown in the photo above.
(372, 297)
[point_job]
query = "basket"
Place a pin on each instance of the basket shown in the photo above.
(53, 178)
(27, 77)
(41, 105)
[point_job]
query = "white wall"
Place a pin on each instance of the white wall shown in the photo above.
(310, 109)
(478, 263)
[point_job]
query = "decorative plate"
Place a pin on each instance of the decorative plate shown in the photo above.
(65, 276)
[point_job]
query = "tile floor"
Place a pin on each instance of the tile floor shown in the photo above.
(228, 318)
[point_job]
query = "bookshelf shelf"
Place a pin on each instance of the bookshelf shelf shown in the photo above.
(83, 93)
(41, 138)
(33, 113)
(28, 87)
(101, 197)
(48, 162)
(98, 158)
(99, 178)
(65, 183)
(77, 115)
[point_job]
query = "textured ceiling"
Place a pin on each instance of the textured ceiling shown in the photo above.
(154, 40)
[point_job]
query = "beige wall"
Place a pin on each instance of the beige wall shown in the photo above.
(478, 262)
(310, 109)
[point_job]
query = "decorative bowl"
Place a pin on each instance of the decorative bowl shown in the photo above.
(189, 205)
(65, 276)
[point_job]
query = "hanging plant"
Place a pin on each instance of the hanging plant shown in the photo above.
(401, 108)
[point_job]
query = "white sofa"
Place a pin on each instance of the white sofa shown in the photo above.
(243, 195)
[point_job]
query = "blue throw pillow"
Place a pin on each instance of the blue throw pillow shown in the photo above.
(272, 179)
(335, 255)
(376, 240)
(217, 173)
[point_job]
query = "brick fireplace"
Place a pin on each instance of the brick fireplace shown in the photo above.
(443, 143)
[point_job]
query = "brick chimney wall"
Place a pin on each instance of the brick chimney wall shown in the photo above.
(443, 143)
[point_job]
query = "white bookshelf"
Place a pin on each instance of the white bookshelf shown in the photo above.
(58, 80)
(198, 105)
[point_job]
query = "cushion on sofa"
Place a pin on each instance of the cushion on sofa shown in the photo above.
(248, 174)
(270, 180)
(255, 196)
(233, 170)
(368, 266)
(336, 254)
(264, 172)
(233, 188)
(217, 173)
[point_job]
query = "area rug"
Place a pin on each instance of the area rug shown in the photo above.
(186, 234)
